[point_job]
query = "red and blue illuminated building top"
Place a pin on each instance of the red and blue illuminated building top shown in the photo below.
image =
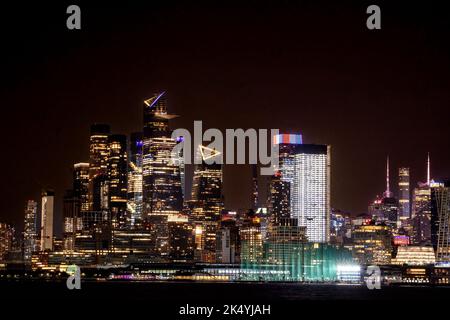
(288, 139)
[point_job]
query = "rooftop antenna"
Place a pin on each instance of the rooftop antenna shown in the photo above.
(387, 193)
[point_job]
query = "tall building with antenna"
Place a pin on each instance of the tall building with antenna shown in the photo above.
(390, 203)
(385, 209)
(387, 193)
(421, 209)
(255, 192)
(421, 194)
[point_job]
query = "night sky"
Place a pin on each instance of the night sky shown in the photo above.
(300, 67)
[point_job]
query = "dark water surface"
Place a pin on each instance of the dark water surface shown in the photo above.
(216, 292)
(165, 300)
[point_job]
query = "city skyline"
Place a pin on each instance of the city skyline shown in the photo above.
(392, 178)
(225, 152)
(139, 182)
(391, 86)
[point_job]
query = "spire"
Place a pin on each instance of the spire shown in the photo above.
(387, 193)
(157, 105)
(387, 176)
(428, 169)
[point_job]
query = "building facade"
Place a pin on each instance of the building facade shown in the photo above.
(404, 193)
(98, 163)
(30, 235)
(372, 244)
(48, 197)
(421, 214)
(311, 188)
(161, 175)
(161, 180)
(117, 175)
(81, 184)
(440, 221)
(279, 198)
(134, 191)
(305, 172)
(6, 240)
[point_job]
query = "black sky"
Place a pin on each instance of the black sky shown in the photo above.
(309, 67)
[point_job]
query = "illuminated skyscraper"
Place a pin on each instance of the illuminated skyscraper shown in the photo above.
(312, 191)
(404, 195)
(134, 204)
(181, 238)
(385, 209)
(47, 220)
(389, 209)
(30, 240)
(281, 184)
(179, 161)
(207, 184)
(6, 239)
(162, 193)
(81, 184)
(421, 199)
(421, 211)
(389, 203)
(279, 195)
(75, 205)
(440, 220)
(306, 168)
(422, 194)
(161, 175)
(98, 163)
(208, 199)
(117, 179)
(288, 146)
(251, 241)
(101, 193)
